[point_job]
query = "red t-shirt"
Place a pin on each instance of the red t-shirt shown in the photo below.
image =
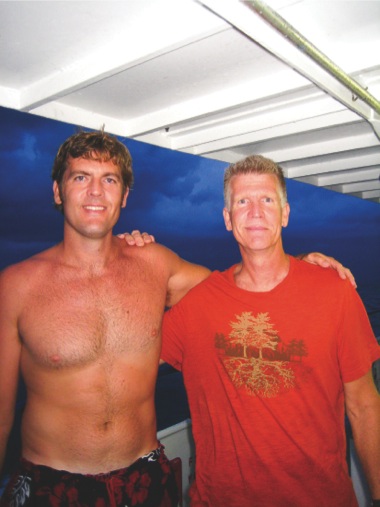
(264, 375)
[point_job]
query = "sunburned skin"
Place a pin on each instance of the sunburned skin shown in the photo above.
(82, 322)
(90, 353)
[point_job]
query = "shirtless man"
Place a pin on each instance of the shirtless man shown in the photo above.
(81, 322)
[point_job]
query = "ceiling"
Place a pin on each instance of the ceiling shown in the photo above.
(295, 80)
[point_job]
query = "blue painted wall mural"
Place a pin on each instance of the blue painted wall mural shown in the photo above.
(178, 198)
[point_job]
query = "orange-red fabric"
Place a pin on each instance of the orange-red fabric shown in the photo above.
(264, 374)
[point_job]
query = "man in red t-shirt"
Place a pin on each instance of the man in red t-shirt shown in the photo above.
(272, 352)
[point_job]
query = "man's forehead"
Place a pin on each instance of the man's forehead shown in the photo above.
(92, 164)
(254, 179)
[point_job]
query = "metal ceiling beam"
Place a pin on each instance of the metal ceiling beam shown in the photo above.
(297, 52)
(330, 163)
(341, 177)
(362, 186)
(303, 44)
(257, 129)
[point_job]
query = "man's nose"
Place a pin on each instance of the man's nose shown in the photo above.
(255, 209)
(95, 187)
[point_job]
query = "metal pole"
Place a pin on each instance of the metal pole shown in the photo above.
(296, 38)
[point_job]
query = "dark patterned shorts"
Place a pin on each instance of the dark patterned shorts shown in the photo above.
(148, 482)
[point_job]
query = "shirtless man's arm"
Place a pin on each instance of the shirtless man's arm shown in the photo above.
(184, 276)
(143, 238)
(10, 349)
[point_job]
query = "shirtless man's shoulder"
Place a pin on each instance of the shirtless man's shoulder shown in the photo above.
(181, 274)
(31, 264)
(16, 278)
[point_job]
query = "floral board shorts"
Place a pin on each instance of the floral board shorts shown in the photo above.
(148, 482)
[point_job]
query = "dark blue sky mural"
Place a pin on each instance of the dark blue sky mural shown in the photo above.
(178, 198)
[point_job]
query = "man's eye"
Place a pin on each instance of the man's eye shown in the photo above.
(80, 177)
(268, 199)
(242, 201)
(110, 179)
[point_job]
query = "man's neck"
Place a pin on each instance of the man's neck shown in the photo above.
(90, 254)
(261, 271)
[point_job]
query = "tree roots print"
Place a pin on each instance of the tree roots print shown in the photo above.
(257, 359)
(260, 377)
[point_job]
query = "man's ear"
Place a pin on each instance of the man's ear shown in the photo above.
(285, 215)
(227, 219)
(125, 197)
(56, 193)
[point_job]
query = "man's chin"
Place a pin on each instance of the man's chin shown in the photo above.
(95, 233)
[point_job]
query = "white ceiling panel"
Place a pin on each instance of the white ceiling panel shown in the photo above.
(299, 82)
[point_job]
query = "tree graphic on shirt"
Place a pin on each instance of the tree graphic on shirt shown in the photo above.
(297, 348)
(250, 330)
(256, 358)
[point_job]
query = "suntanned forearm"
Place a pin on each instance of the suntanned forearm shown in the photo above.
(363, 410)
(366, 432)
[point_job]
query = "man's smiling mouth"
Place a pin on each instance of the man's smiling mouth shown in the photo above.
(95, 208)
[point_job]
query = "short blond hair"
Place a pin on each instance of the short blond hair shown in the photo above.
(254, 164)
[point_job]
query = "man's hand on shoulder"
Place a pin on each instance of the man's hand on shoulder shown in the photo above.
(137, 238)
(329, 262)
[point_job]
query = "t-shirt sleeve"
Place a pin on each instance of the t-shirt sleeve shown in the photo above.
(358, 347)
(173, 334)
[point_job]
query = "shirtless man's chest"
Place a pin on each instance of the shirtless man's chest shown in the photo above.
(71, 320)
(91, 345)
